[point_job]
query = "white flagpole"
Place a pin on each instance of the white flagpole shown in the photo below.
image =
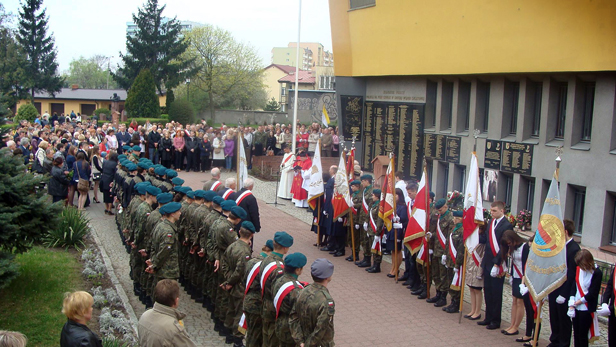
(299, 27)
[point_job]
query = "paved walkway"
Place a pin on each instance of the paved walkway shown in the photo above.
(371, 310)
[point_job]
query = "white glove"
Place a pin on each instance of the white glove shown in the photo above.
(510, 280)
(366, 226)
(523, 289)
(325, 213)
(398, 225)
(443, 259)
(604, 311)
(429, 234)
(494, 271)
(339, 219)
(396, 219)
(571, 301)
(571, 313)
(560, 299)
(356, 226)
(455, 269)
(430, 252)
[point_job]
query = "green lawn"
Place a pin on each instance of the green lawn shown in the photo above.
(32, 304)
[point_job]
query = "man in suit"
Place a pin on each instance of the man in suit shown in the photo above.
(123, 137)
(191, 151)
(560, 323)
(493, 272)
(246, 200)
(214, 183)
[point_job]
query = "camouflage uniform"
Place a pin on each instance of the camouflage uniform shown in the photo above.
(269, 311)
(312, 317)
(208, 244)
(223, 235)
(187, 260)
(253, 305)
(458, 245)
(438, 270)
(199, 271)
(365, 218)
(147, 279)
(127, 224)
(356, 231)
(166, 186)
(138, 228)
(165, 251)
(283, 331)
(374, 211)
(233, 266)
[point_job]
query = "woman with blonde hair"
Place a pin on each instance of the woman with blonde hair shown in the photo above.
(12, 339)
(77, 307)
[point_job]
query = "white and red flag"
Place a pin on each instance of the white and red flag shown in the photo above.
(387, 206)
(341, 200)
(473, 207)
(418, 219)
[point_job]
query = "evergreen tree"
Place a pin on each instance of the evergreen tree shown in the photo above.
(272, 105)
(156, 45)
(12, 61)
(142, 100)
(40, 68)
(170, 99)
(181, 111)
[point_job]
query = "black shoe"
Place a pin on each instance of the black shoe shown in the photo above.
(405, 278)
(339, 254)
(333, 251)
(423, 294)
(406, 282)
(415, 287)
(199, 300)
(349, 258)
(237, 342)
(326, 249)
(483, 322)
(375, 269)
(476, 318)
(367, 262)
(434, 299)
(493, 326)
(453, 308)
(216, 325)
(442, 301)
(417, 291)
(391, 276)
(229, 339)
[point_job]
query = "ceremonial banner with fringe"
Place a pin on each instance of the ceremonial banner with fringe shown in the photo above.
(473, 206)
(418, 222)
(341, 200)
(315, 183)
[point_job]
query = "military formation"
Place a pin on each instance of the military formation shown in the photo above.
(203, 239)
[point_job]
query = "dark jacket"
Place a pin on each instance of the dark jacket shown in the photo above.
(191, 142)
(250, 205)
(58, 183)
(77, 335)
(153, 137)
(489, 260)
(205, 148)
(592, 297)
(109, 171)
(608, 295)
(81, 170)
(571, 248)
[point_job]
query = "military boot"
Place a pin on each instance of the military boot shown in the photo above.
(237, 342)
(424, 293)
(136, 289)
(420, 289)
(376, 268)
(454, 307)
(435, 298)
(350, 257)
(367, 262)
(229, 339)
(442, 301)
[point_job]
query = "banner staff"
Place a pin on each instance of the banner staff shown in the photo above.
(428, 279)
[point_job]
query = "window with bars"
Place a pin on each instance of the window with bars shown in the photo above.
(508, 188)
(561, 111)
(576, 197)
(464, 104)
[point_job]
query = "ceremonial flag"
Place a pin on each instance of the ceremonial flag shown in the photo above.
(342, 196)
(315, 185)
(418, 222)
(325, 116)
(546, 267)
(387, 206)
(350, 167)
(473, 206)
(243, 166)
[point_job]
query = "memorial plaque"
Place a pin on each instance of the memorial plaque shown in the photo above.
(352, 111)
(412, 141)
(453, 149)
(429, 145)
(492, 159)
(440, 147)
(517, 158)
(368, 136)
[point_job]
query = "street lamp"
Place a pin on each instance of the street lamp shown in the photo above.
(188, 89)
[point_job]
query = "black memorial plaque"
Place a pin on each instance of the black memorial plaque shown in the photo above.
(352, 112)
(440, 147)
(429, 145)
(492, 159)
(453, 149)
(517, 158)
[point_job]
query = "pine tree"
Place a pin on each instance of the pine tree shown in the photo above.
(142, 100)
(272, 105)
(170, 99)
(156, 45)
(40, 66)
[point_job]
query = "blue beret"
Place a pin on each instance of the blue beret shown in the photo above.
(376, 192)
(122, 156)
(123, 162)
(249, 226)
(177, 181)
(160, 171)
(153, 190)
(355, 183)
(295, 260)
(146, 183)
(440, 203)
(269, 244)
(126, 148)
(141, 189)
(199, 193)
(239, 212)
(171, 173)
(227, 205)
(186, 189)
(459, 214)
(209, 195)
(170, 208)
(136, 148)
(143, 159)
(164, 198)
(283, 239)
(190, 194)
(179, 189)
(322, 268)
(218, 200)
(432, 195)
(366, 177)
(131, 166)
(144, 165)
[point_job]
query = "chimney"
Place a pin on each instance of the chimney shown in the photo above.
(74, 86)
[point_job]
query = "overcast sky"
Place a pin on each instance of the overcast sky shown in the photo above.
(88, 27)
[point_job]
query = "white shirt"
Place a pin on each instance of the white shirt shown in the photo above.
(585, 279)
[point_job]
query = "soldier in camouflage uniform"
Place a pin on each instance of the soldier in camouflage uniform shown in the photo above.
(253, 304)
(312, 317)
(286, 289)
(356, 198)
(421, 268)
(192, 234)
(207, 244)
(134, 258)
(198, 219)
(364, 220)
(375, 229)
(184, 231)
(233, 265)
(270, 270)
(166, 180)
(455, 246)
(141, 215)
(438, 270)
(181, 197)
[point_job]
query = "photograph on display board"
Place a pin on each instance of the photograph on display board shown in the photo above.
(490, 185)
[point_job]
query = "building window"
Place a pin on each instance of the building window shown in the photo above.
(357, 4)
(527, 193)
(459, 178)
(589, 102)
(431, 91)
(446, 105)
(534, 100)
(508, 180)
(512, 97)
(576, 199)
(483, 106)
(283, 91)
(464, 104)
(444, 168)
(561, 110)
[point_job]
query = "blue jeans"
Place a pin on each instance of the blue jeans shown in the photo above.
(229, 162)
(153, 155)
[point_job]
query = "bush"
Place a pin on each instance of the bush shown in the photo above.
(169, 99)
(181, 111)
(71, 230)
(100, 111)
(9, 270)
(26, 112)
(142, 100)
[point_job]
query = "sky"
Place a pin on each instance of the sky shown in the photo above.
(89, 27)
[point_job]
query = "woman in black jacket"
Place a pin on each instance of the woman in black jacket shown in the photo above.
(59, 181)
(110, 167)
(77, 307)
(166, 147)
(205, 148)
(584, 298)
(271, 143)
(607, 309)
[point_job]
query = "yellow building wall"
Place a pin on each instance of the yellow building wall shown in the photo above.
(75, 105)
(416, 37)
(271, 76)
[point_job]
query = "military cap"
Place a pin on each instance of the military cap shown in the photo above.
(146, 183)
(153, 190)
(218, 200)
(186, 189)
(122, 157)
(355, 183)
(190, 194)
(144, 159)
(136, 148)
(171, 173)
(126, 148)
(177, 181)
(227, 205)
(440, 203)
(141, 188)
(295, 260)
(164, 198)
(179, 189)
(432, 195)
(458, 214)
(366, 177)
(144, 165)
(322, 268)
(376, 192)
(209, 195)
(131, 166)
(239, 212)
(283, 239)
(249, 226)
(269, 244)
(170, 208)
(160, 171)
(199, 193)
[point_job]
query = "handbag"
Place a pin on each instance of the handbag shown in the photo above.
(97, 176)
(83, 185)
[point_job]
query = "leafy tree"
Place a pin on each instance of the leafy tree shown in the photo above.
(170, 99)
(272, 105)
(181, 111)
(90, 73)
(142, 100)
(26, 112)
(12, 61)
(157, 45)
(226, 67)
(40, 65)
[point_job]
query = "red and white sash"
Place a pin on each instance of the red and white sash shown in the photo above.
(254, 272)
(441, 236)
(242, 196)
(215, 186)
(373, 223)
(283, 292)
(267, 272)
(476, 257)
(453, 253)
(287, 159)
(593, 332)
(493, 241)
(516, 270)
(376, 244)
(226, 194)
(243, 326)
(364, 204)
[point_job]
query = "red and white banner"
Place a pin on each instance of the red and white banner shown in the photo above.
(350, 167)
(315, 186)
(418, 219)
(226, 194)
(387, 206)
(473, 206)
(215, 186)
(341, 200)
